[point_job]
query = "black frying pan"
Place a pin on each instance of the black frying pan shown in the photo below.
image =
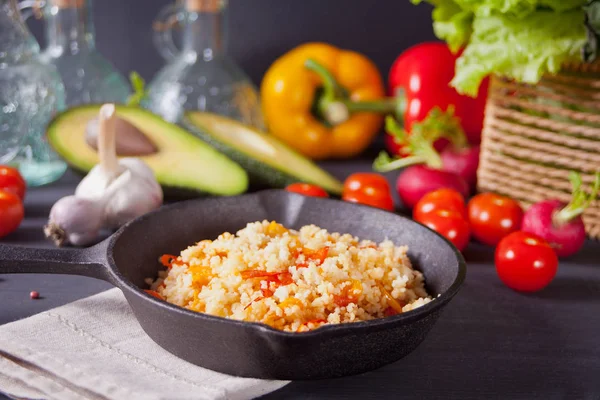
(251, 349)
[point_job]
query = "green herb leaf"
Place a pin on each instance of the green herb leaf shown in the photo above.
(139, 89)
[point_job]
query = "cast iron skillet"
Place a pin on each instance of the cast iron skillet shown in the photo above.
(250, 349)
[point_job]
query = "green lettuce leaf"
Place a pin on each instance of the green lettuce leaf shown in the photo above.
(519, 39)
(522, 49)
(517, 8)
(451, 23)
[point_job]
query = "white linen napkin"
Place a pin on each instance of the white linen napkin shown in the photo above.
(95, 349)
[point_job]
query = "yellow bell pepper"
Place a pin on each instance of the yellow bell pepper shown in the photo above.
(323, 101)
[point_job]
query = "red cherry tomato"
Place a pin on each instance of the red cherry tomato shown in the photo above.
(307, 189)
(493, 217)
(525, 262)
(369, 189)
(441, 199)
(12, 181)
(449, 224)
(11, 212)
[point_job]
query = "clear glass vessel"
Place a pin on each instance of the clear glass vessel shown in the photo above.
(31, 93)
(71, 46)
(200, 76)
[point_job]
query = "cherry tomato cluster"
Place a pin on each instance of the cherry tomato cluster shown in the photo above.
(12, 193)
(365, 188)
(524, 261)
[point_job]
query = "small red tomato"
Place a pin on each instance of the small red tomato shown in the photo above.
(441, 199)
(449, 224)
(12, 181)
(370, 189)
(525, 262)
(307, 189)
(493, 217)
(11, 212)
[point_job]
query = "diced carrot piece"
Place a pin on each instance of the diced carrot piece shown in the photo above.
(253, 273)
(168, 260)
(285, 278)
(291, 301)
(316, 256)
(275, 229)
(343, 301)
(155, 294)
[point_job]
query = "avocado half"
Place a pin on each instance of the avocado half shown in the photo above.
(265, 158)
(182, 162)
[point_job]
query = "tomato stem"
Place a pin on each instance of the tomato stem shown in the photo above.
(335, 107)
(580, 200)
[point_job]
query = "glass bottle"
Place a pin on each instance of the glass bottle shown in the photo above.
(30, 95)
(200, 76)
(71, 46)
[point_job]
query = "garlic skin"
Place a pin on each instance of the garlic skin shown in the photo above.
(74, 221)
(136, 192)
(132, 193)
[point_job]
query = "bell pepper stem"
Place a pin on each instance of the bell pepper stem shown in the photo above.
(385, 106)
(335, 106)
(330, 85)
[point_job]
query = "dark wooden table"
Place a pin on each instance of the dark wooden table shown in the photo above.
(490, 342)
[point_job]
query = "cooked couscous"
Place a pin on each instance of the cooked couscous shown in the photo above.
(291, 280)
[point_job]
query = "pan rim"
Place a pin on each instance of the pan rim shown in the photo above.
(376, 324)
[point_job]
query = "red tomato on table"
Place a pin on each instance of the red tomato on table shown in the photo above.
(370, 189)
(525, 262)
(441, 199)
(493, 217)
(450, 224)
(11, 212)
(307, 189)
(12, 181)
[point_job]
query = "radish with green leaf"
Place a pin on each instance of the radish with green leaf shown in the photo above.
(559, 224)
(425, 169)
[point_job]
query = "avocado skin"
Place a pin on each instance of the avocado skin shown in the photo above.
(171, 192)
(260, 174)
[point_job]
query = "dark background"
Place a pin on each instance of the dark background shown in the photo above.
(262, 30)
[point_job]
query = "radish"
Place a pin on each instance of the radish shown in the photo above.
(427, 170)
(418, 180)
(463, 162)
(559, 224)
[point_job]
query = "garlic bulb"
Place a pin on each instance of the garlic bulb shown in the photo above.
(117, 190)
(75, 221)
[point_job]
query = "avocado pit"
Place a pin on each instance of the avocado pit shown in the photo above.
(130, 141)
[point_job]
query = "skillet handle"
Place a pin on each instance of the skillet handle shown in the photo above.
(91, 262)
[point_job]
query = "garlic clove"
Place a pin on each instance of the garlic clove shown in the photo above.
(74, 221)
(94, 185)
(133, 195)
(141, 169)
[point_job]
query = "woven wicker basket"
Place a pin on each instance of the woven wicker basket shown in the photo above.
(534, 135)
